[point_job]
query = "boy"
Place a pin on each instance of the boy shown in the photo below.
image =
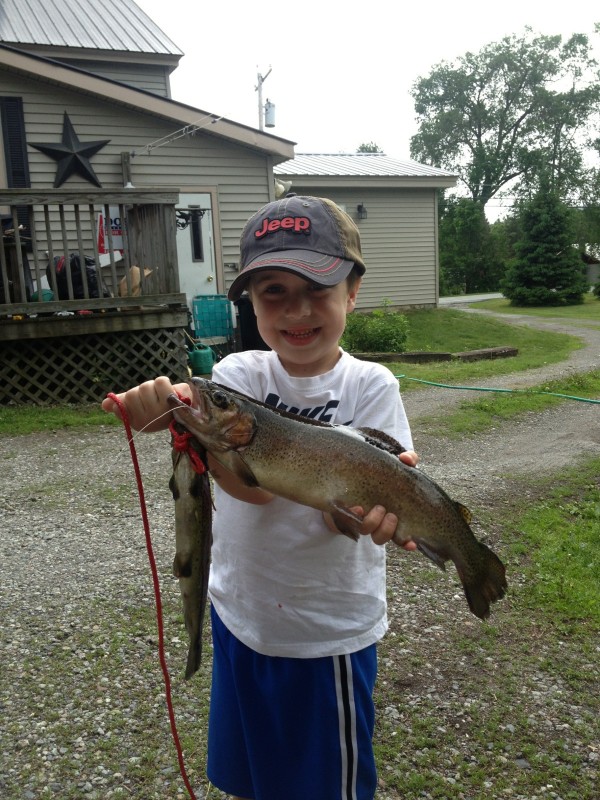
(296, 610)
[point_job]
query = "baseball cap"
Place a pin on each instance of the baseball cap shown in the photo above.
(309, 236)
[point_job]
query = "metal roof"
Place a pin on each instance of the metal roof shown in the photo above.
(118, 25)
(356, 164)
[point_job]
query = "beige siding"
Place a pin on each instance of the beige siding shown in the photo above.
(241, 177)
(149, 78)
(399, 243)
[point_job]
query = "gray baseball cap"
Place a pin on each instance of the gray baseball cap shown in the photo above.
(309, 236)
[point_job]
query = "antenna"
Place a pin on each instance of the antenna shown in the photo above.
(266, 113)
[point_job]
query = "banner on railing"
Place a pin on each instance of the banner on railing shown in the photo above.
(116, 228)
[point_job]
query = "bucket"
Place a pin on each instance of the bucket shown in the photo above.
(201, 360)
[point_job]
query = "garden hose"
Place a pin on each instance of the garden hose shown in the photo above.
(488, 389)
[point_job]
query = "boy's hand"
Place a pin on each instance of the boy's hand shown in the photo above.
(146, 404)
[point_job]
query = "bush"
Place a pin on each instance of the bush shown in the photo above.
(596, 290)
(380, 331)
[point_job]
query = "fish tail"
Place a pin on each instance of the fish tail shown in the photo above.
(485, 585)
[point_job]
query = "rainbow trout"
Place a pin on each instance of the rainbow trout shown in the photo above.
(193, 540)
(334, 468)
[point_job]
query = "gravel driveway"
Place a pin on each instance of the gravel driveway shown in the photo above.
(81, 713)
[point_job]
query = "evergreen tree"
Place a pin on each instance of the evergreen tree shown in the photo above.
(547, 270)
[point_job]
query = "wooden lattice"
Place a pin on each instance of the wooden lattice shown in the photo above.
(83, 369)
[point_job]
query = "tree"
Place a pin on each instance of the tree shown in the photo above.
(468, 254)
(547, 269)
(498, 117)
(369, 147)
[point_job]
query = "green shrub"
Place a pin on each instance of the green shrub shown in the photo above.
(596, 290)
(380, 331)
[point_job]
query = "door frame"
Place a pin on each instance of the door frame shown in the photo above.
(215, 220)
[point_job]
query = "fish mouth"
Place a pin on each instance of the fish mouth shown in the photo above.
(182, 411)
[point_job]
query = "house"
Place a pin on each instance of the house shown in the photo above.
(89, 132)
(394, 204)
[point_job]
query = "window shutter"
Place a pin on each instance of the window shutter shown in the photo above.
(15, 149)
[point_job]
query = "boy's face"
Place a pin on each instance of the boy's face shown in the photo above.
(301, 321)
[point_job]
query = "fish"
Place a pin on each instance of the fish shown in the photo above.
(193, 536)
(335, 468)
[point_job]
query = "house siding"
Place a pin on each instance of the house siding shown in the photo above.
(399, 243)
(149, 78)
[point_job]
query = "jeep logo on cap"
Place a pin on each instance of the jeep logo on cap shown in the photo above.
(292, 224)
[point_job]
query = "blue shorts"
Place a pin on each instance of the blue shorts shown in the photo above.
(292, 728)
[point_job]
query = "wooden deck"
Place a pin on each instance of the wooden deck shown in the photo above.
(70, 336)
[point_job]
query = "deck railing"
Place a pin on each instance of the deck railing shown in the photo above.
(48, 239)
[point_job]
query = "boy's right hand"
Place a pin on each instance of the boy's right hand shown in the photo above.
(146, 404)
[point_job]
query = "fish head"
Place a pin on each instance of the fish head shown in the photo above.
(217, 418)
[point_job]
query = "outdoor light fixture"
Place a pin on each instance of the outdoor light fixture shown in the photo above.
(362, 211)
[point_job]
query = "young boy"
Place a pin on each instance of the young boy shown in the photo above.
(296, 609)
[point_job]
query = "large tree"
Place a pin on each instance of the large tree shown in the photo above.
(502, 116)
(469, 260)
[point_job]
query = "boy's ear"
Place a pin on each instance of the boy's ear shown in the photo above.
(352, 293)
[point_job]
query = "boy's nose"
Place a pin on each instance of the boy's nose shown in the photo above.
(299, 305)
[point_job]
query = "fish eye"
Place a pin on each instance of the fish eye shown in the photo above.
(220, 399)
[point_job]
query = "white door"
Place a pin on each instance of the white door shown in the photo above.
(195, 246)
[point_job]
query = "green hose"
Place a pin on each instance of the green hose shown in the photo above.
(486, 389)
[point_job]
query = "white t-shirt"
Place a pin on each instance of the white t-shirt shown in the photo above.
(280, 580)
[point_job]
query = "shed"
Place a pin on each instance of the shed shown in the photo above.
(394, 204)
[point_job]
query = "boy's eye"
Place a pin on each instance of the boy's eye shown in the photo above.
(273, 288)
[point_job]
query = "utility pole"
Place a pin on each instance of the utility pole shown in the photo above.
(261, 109)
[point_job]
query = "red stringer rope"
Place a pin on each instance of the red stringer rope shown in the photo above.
(157, 598)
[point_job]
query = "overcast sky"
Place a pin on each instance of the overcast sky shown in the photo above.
(341, 71)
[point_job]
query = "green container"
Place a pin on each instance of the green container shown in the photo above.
(47, 295)
(201, 360)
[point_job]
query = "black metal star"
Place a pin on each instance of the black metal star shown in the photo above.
(72, 156)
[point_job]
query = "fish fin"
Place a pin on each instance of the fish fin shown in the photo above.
(485, 586)
(194, 658)
(236, 464)
(382, 440)
(182, 565)
(437, 559)
(464, 512)
(346, 521)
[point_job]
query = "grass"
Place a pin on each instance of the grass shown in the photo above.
(563, 531)
(20, 420)
(450, 331)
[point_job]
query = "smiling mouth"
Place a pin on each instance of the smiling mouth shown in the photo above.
(305, 333)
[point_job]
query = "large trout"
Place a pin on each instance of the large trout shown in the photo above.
(334, 468)
(193, 538)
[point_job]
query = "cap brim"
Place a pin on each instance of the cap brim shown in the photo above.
(317, 267)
